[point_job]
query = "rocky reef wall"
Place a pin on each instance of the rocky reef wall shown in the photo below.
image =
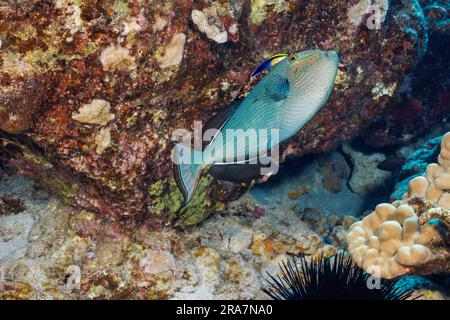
(91, 91)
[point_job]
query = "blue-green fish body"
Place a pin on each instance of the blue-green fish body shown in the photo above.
(288, 96)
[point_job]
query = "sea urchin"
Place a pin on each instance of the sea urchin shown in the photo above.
(333, 278)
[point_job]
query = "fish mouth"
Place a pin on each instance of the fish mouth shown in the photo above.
(331, 54)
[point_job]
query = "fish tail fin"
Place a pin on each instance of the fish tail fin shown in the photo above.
(186, 169)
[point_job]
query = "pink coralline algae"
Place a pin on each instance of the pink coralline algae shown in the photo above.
(147, 68)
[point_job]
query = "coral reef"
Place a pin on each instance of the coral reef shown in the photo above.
(158, 66)
(332, 228)
(389, 240)
(212, 31)
(50, 250)
(423, 99)
(403, 237)
(10, 204)
(416, 164)
(53, 251)
(436, 13)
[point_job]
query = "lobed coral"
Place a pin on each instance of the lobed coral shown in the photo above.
(389, 240)
(435, 184)
(401, 237)
(416, 164)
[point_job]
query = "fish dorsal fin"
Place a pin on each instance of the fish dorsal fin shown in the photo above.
(221, 117)
(277, 87)
(219, 120)
(269, 62)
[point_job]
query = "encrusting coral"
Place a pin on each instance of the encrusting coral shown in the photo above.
(202, 21)
(402, 237)
(174, 51)
(96, 112)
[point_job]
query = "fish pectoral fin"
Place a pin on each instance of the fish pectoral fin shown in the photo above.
(277, 88)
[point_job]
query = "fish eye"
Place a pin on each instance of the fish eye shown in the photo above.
(292, 58)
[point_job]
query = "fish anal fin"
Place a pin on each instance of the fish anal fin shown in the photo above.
(242, 172)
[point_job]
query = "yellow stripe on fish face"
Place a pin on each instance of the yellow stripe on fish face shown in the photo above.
(278, 58)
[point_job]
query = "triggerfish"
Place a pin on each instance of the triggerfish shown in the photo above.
(285, 99)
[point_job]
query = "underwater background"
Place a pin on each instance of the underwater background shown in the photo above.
(91, 92)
